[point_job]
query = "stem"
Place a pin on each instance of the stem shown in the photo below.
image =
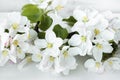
(36, 27)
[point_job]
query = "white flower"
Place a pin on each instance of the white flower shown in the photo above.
(57, 19)
(115, 24)
(30, 34)
(82, 41)
(66, 61)
(86, 16)
(101, 30)
(41, 3)
(101, 47)
(24, 62)
(94, 22)
(47, 63)
(51, 44)
(112, 64)
(58, 4)
(94, 65)
(19, 46)
(18, 40)
(16, 23)
(6, 55)
(37, 57)
(36, 54)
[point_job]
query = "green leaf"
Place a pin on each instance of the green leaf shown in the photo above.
(70, 21)
(32, 12)
(41, 35)
(60, 32)
(45, 23)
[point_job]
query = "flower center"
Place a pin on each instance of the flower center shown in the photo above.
(85, 19)
(97, 64)
(5, 53)
(51, 58)
(83, 38)
(19, 50)
(39, 56)
(96, 31)
(65, 54)
(49, 45)
(15, 26)
(110, 62)
(29, 59)
(59, 7)
(99, 46)
(29, 36)
(16, 42)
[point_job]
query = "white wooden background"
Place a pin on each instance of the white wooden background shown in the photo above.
(10, 72)
(114, 5)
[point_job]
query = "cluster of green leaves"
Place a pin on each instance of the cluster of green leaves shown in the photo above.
(35, 14)
(42, 20)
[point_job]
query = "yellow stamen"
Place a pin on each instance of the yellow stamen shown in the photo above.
(15, 42)
(99, 46)
(97, 64)
(59, 7)
(29, 36)
(96, 31)
(85, 19)
(51, 58)
(19, 50)
(15, 26)
(110, 62)
(29, 59)
(5, 53)
(49, 45)
(39, 56)
(65, 54)
(83, 38)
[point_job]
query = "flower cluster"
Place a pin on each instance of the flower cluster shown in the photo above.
(39, 34)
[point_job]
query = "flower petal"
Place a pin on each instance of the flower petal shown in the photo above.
(3, 60)
(75, 40)
(52, 52)
(73, 51)
(50, 36)
(97, 54)
(107, 48)
(105, 34)
(36, 57)
(89, 63)
(41, 43)
(45, 64)
(58, 42)
(78, 14)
